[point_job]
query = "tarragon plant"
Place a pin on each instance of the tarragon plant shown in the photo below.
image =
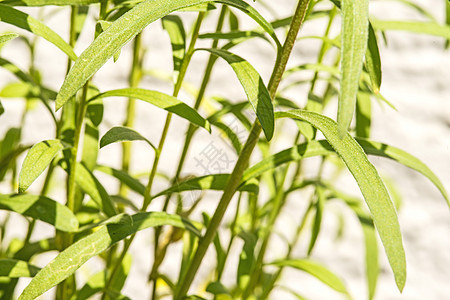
(94, 219)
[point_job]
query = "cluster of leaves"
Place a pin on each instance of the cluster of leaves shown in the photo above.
(94, 222)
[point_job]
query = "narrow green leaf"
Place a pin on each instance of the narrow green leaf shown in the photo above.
(2, 109)
(69, 260)
(254, 87)
(174, 27)
(371, 186)
(429, 28)
(363, 115)
(7, 37)
(13, 268)
(161, 100)
(317, 223)
(37, 160)
(41, 208)
(316, 270)
(125, 178)
(216, 182)
(373, 61)
(199, 8)
(22, 20)
(48, 2)
(406, 159)
(447, 20)
(91, 186)
(355, 15)
(124, 29)
(122, 134)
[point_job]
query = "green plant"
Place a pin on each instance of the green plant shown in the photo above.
(93, 221)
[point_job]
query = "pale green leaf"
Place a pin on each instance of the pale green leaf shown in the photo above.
(48, 2)
(122, 134)
(216, 182)
(254, 87)
(73, 257)
(429, 28)
(13, 268)
(377, 198)
(316, 270)
(124, 29)
(161, 100)
(41, 208)
(91, 186)
(22, 20)
(355, 15)
(7, 37)
(37, 160)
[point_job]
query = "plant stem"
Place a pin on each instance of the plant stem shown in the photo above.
(135, 77)
(244, 157)
(148, 188)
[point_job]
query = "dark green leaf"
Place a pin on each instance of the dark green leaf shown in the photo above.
(174, 27)
(161, 100)
(373, 61)
(2, 109)
(13, 268)
(125, 178)
(363, 115)
(122, 134)
(254, 87)
(91, 186)
(37, 160)
(69, 260)
(41, 208)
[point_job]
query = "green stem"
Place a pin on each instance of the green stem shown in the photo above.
(244, 157)
(135, 76)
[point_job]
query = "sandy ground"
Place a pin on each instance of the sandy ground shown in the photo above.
(415, 79)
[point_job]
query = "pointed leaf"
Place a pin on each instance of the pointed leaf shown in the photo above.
(48, 2)
(161, 100)
(7, 37)
(2, 109)
(13, 268)
(216, 182)
(174, 27)
(73, 257)
(125, 178)
(22, 20)
(254, 87)
(124, 29)
(91, 186)
(430, 28)
(37, 160)
(122, 134)
(371, 186)
(316, 270)
(41, 208)
(373, 61)
(355, 15)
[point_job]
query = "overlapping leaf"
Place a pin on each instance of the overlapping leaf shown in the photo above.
(371, 186)
(41, 208)
(14, 268)
(68, 261)
(37, 160)
(161, 100)
(124, 29)
(355, 15)
(22, 20)
(254, 87)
